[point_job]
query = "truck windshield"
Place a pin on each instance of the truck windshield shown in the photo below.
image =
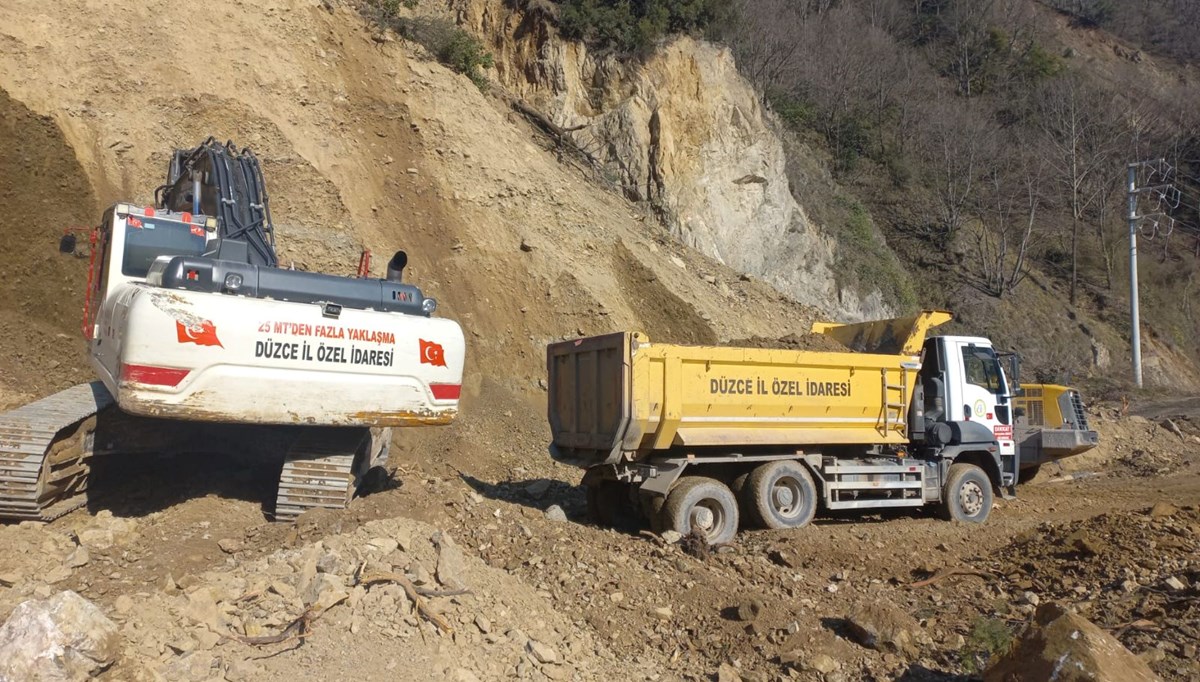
(983, 369)
(149, 238)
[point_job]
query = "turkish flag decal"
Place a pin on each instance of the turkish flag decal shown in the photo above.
(432, 353)
(203, 334)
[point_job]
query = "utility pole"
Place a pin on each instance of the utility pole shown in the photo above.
(1161, 168)
(1135, 324)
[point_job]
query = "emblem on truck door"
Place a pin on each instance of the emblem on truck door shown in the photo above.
(432, 353)
(202, 334)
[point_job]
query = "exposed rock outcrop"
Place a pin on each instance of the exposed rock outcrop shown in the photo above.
(683, 131)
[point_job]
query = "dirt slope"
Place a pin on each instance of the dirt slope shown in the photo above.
(366, 146)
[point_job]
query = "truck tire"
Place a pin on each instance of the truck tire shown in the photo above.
(967, 496)
(604, 500)
(780, 495)
(652, 510)
(703, 504)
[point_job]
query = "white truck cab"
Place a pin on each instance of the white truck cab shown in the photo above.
(967, 398)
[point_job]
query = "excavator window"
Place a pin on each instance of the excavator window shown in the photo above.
(148, 238)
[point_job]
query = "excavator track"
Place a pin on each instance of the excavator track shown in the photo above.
(44, 452)
(321, 470)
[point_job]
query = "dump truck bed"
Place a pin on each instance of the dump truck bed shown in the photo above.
(620, 395)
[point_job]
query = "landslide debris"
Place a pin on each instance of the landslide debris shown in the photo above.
(813, 342)
(1065, 647)
(1135, 574)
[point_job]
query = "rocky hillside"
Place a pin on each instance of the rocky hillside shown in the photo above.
(802, 197)
(683, 132)
(365, 143)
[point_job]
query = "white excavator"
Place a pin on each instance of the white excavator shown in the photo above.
(203, 343)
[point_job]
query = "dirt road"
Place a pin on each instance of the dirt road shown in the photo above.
(609, 602)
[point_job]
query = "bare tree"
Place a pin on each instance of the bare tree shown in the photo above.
(957, 146)
(1008, 203)
(1083, 134)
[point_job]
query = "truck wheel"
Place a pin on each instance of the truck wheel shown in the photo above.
(781, 495)
(604, 501)
(652, 510)
(702, 504)
(968, 494)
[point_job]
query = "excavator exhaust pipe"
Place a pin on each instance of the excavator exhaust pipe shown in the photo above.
(395, 267)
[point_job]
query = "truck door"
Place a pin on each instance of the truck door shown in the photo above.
(981, 395)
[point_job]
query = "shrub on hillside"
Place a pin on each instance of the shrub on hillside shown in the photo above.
(635, 25)
(451, 45)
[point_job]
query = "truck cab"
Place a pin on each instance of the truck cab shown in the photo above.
(966, 402)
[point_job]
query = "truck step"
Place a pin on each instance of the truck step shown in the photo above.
(874, 504)
(868, 486)
(840, 469)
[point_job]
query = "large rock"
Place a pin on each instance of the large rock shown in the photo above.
(1066, 647)
(684, 131)
(65, 637)
(881, 626)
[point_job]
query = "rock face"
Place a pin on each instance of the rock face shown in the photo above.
(65, 637)
(1066, 647)
(683, 131)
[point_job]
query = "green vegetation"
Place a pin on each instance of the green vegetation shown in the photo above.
(866, 262)
(391, 8)
(636, 25)
(466, 55)
(989, 638)
(452, 46)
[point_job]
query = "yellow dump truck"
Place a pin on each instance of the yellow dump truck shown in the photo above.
(699, 437)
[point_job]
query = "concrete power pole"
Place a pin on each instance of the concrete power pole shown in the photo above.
(1167, 199)
(1135, 323)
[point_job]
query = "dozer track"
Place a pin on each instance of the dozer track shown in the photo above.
(322, 469)
(44, 451)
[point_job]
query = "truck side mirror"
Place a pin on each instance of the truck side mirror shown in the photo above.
(67, 243)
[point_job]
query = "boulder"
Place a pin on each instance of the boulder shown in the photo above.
(1066, 647)
(65, 637)
(450, 562)
(881, 626)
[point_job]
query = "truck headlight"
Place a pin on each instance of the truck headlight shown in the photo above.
(233, 282)
(428, 306)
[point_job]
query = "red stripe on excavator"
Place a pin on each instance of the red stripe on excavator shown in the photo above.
(159, 376)
(446, 391)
